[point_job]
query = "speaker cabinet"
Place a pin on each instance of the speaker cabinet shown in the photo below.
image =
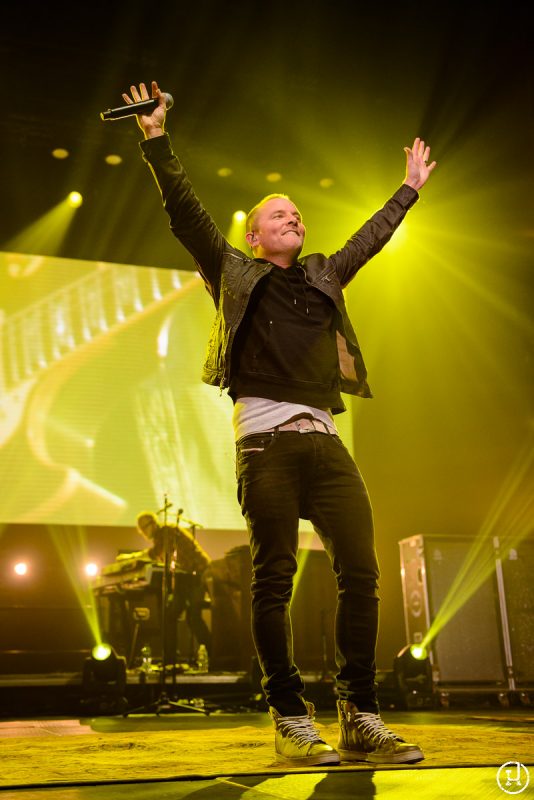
(468, 649)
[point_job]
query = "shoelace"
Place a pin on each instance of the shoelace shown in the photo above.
(300, 730)
(373, 726)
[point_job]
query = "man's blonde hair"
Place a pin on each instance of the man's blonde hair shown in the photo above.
(251, 216)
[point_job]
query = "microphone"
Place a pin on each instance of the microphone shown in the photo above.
(131, 109)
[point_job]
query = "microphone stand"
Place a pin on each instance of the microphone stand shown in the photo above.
(164, 700)
(172, 584)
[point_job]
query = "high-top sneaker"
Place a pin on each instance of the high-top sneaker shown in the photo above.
(364, 737)
(297, 741)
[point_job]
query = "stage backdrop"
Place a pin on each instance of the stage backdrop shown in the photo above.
(102, 410)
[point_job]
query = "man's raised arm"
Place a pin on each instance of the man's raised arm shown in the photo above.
(189, 221)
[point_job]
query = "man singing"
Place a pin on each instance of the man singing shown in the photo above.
(283, 346)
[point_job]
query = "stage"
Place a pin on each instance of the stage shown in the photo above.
(217, 741)
(231, 755)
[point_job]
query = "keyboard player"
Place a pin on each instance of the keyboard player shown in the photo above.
(188, 561)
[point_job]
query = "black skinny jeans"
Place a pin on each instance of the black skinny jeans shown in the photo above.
(283, 476)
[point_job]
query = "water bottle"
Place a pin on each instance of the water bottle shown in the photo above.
(146, 658)
(202, 659)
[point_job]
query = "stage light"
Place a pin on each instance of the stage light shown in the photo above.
(236, 232)
(413, 673)
(418, 652)
(104, 681)
(91, 570)
(75, 199)
(60, 153)
(101, 652)
(273, 177)
(21, 568)
(113, 159)
(224, 172)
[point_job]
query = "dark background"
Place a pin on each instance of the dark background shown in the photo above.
(303, 88)
(318, 90)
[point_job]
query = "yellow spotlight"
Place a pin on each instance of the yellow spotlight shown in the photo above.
(60, 153)
(101, 651)
(21, 568)
(72, 551)
(236, 232)
(113, 159)
(418, 652)
(91, 569)
(273, 177)
(326, 183)
(46, 234)
(224, 172)
(75, 199)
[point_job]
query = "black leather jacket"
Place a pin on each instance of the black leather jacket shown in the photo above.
(230, 275)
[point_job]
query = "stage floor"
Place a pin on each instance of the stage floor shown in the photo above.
(226, 756)
(442, 784)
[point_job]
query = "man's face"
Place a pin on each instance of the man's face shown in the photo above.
(278, 233)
